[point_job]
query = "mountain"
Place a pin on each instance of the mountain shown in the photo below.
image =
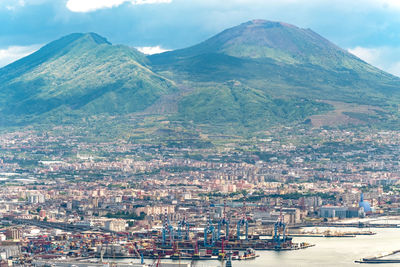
(266, 39)
(250, 77)
(79, 74)
(279, 62)
(281, 59)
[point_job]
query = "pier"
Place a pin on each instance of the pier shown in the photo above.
(380, 258)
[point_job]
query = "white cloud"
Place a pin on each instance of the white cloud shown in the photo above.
(12, 5)
(390, 3)
(151, 50)
(92, 5)
(13, 53)
(367, 54)
(385, 57)
(15, 4)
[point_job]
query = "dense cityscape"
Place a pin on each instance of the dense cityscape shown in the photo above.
(57, 188)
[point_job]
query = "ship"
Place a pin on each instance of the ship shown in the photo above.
(249, 254)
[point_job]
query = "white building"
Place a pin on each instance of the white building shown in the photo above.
(116, 225)
(36, 198)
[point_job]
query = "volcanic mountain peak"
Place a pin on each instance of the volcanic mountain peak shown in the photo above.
(281, 73)
(267, 23)
(278, 40)
(262, 39)
(281, 59)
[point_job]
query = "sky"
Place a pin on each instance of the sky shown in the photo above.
(370, 29)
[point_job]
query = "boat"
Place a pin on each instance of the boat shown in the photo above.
(249, 254)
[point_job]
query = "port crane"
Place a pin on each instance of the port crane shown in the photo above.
(243, 222)
(209, 229)
(183, 225)
(279, 232)
(167, 231)
(223, 222)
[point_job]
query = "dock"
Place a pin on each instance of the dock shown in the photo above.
(380, 258)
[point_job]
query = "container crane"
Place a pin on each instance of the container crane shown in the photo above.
(209, 229)
(223, 222)
(183, 225)
(167, 231)
(243, 222)
(279, 229)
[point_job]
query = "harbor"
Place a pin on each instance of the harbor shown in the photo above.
(214, 242)
(331, 251)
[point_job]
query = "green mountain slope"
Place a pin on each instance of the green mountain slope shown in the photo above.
(246, 78)
(282, 60)
(236, 104)
(82, 74)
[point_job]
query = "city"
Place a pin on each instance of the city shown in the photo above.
(55, 192)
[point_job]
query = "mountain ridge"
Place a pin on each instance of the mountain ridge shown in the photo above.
(253, 75)
(80, 71)
(315, 51)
